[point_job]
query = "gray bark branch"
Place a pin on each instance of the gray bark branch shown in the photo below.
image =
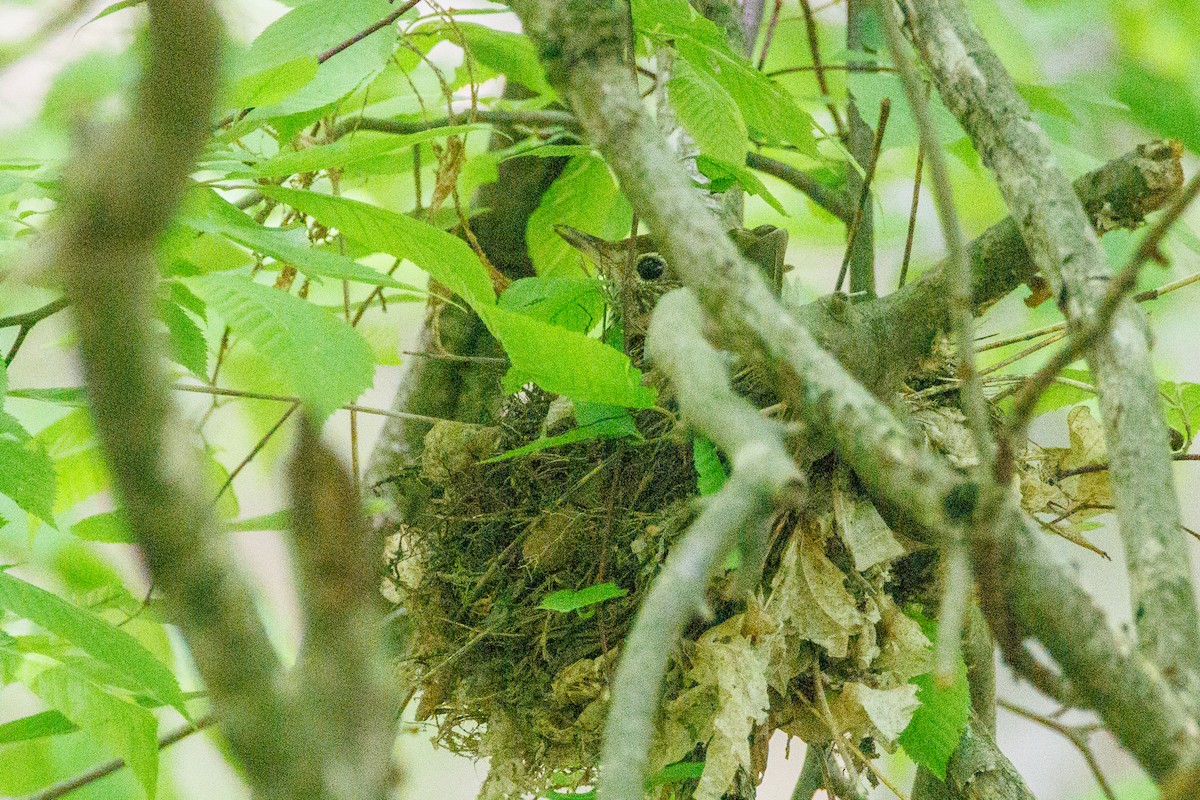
(980, 93)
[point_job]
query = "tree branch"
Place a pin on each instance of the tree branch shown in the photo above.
(763, 473)
(1117, 195)
(117, 201)
(977, 89)
(342, 669)
(918, 492)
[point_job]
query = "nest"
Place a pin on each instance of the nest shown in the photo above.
(818, 647)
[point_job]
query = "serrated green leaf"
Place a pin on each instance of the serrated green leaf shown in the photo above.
(768, 110)
(275, 521)
(584, 196)
(130, 730)
(314, 28)
(108, 526)
(186, 343)
(26, 472)
(71, 396)
(115, 7)
(567, 600)
(104, 642)
(273, 84)
(707, 113)
(937, 725)
(35, 726)
(619, 424)
(320, 358)
(447, 258)
(207, 212)
(725, 172)
(567, 363)
(710, 471)
(576, 304)
(350, 149)
(511, 54)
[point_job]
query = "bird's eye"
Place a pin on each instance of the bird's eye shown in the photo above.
(651, 266)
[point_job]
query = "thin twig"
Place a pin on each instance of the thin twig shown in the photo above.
(1093, 330)
(254, 451)
(1092, 468)
(279, 398)
(959, 581)
(1075, 735)
(104, 770)
(912, 215)
(770, 34)
(814, 48)
(864, 197)
(26, 321)
(829, 67)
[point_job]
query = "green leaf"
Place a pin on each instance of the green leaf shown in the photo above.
(273, 84)
(71, 396)
(708, 113)
(710, 470)
(584, 196)
(349, 149)
(674, 773)
(207, 212)
(447, 258)
(186, 342)
(870, 88)
(565, 362)
(511, 54)
(576, 304)
(130, 730)
(319, 357)
(723, 173)
(35, 726)
(1163, 102)
(104, 642)
(619, 424)
(568, 600)
(937, 725)
(108, 526)
(313, 28)
(768, 110)
(275, 521)
(26, 472)
(1061, 394)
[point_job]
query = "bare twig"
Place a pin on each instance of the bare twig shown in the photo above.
(26, 321)
(770, 34)
(981, 94)
(1076, 735)
(104, 770)
(958, 577)
(280, 398)
(763, 474)
(342, 667)
(833, 201)
(1097, 327)
(861, 209)
(363, 34)
(912, 215)
(814, 48)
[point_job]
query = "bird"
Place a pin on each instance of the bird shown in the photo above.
(634, 296)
